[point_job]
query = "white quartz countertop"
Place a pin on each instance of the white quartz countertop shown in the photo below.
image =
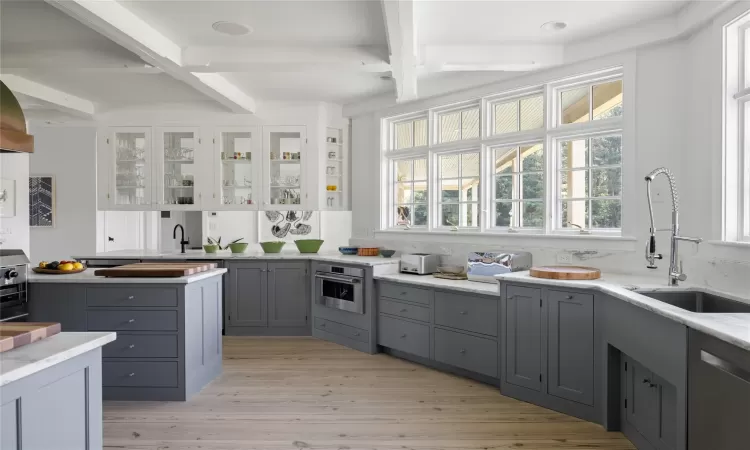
(87, 276)
(474, 287)
(249, 255)
(32, 358)
(733, 328)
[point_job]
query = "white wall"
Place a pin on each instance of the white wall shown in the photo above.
(14, 231)
(677, 111)
(68, 153)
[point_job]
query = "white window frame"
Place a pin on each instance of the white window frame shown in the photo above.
(515, 96)
(392, 192)
(391, 134)
(736, 153)
(438, 190)
(548, 135)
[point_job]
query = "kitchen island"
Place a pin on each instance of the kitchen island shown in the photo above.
(51, 393)
(168, 343)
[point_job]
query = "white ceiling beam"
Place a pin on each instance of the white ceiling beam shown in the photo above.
(60, 100)
(117, 23)
(401, 31)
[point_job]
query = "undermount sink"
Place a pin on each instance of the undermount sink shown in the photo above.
(699, 302)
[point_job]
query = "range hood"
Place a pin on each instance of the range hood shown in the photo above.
(13, 135)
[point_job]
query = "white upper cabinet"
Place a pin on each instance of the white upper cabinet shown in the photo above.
(130, 168)
(178, 169)
(284, 162)
(237, 181)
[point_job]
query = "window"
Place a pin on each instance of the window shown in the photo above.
(410, 192)
(458, 125)
(546, 160)
(410, 133)
(519, 186)
(590, 183)
(458, 181)
(736, 158)
(517, 115)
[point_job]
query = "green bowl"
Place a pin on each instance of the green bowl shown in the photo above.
(308, 245)
(210, 248)
(238, 247)
(272, 246)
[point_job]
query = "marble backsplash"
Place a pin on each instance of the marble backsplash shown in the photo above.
(709, 265)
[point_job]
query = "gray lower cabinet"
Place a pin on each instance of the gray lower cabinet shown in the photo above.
(650, 405)
(268, 298)
(523, 337)
(718, 394)
(57, 408)
(405, 336)
(472, 353)
(168, 344)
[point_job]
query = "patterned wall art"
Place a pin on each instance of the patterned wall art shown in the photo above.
(7, 198)
(42, 201)
(289, 225)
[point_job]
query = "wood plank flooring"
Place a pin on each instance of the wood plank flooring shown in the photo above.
(303, 393)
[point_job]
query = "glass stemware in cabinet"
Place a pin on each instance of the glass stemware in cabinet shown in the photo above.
(179, 167)
(130, 168)
(236, 167)
(285, 167)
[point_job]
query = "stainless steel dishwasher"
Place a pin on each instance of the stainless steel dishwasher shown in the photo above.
(718, 394)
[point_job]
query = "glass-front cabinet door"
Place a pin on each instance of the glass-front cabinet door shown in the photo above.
(177, 167)
(131, 185)
(284, 162)
(238, 168)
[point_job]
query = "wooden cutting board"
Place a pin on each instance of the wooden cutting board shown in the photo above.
(565, 272)
(166, 270)
(18, 334)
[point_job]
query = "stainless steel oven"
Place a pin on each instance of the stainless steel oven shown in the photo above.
(340, 288)
(13, 286)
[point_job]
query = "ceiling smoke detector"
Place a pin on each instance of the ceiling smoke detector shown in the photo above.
(231, 28)
(554, 26)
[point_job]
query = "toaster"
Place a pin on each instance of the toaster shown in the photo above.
(483, 266)
(419, 263)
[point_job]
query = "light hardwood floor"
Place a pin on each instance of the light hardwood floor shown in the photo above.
(292, 393)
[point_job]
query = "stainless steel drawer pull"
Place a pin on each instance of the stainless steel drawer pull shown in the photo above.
(131, 321)
(725, 366)
(131, 346)
(463, 313)
(131, 297)
(323, 325)
(404, 310)
(403, 335)
(356, 333)
(463, 350)
(404, 293)
(132, 374)
(569, 297)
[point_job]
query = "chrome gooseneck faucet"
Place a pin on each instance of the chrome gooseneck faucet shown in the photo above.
(675, 272)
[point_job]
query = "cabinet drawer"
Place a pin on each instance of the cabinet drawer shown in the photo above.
(408, 293)
(342, 330)
(404, 310)
(131, 297)
(142, 346)
(140, 374)
(576, 297)
(467, 312)
(406, 336)
(468, 352)
(132, 320)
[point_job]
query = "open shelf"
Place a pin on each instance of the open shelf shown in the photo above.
(286, 161)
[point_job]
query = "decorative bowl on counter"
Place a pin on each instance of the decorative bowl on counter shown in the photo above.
(348, 250)
(308, 245)
(368, 251)
(452, 270)
(210, 248)
(387, 253)
(238, 247)
(272, 246)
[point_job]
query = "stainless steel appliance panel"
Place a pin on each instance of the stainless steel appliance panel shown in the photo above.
(340, 288)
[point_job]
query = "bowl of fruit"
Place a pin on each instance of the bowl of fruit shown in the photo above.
(63, 267)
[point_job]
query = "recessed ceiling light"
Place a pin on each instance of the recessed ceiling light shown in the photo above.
(554, 26)
(231, 28)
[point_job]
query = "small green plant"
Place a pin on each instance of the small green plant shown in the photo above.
(213, 241)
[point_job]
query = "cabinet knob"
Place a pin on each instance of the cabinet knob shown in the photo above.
(647, 381)
(131, 346)
(463, 313)
(569, 297)
(131, 297)
(403, 310)
(131, 321)
(132, 374)
(462, 351)
(403, 335)
(323, 325)
(356, 333)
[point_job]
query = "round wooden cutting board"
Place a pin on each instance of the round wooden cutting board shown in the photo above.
(565, 272)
